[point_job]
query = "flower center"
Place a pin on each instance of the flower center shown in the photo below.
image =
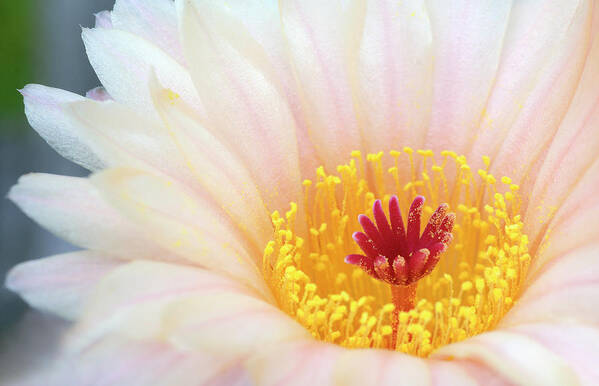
(392, 286)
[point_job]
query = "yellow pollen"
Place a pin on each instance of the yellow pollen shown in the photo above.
(474, 284)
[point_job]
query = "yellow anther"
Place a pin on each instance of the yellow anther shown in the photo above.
(388, 308)
(480, 285)
(404, 317)
(497, 294)
(439, 307)
(486, 160)
(171, 95)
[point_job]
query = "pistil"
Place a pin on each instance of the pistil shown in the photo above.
(398, 255)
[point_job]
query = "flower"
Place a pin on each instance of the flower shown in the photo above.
(233, 147)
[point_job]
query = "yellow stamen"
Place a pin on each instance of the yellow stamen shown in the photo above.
(474, 284)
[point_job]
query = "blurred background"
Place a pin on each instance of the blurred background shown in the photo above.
(39, 43)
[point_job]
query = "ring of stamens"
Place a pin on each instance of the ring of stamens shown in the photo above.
(472, 286)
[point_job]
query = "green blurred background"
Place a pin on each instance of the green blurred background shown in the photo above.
(16, 46)
(39, 43)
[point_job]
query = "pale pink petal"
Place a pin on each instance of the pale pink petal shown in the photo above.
(46, 112)
(229, 324)
(155, 21)
(115, 361)
(319, 363)
(301, 363)
(574, 224)
(516, 357)
(177, 146)
(103, 19)
(183, 224)
(98, 94)
(217, 171)
(577, 345)
(468, 39)
(322, 40)
(572, 155)
(61, 284)
(395, 74)
(565, 289)
(191, 307)
(124, 137)
(544, 53)
(245, 103)
(261, 19)
(72, 208)
(124, 62)
(464, 372)
(379, 367)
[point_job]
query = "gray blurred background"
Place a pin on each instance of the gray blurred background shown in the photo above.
(39, 43)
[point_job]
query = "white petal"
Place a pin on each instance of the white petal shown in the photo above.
(46, 110)
(574, 224)
(518, 358)
(72, 208)
(396, 69)
(577, 345)
(123, 137)
(98, 94)
(229, 324)
(261, 19)
(319, 363)
(117, 361)
(179, 147)
(103, 19)
(188, 226)
(468, 39)
(195, 309)
(322, 39)
(244, 101)
(564, 290)
(545, 49)
(571, 158)
(124, 62)
(216, 169)
(155, 21)
(462, 373)
(60, 284)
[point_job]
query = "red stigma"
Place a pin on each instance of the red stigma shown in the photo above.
(397, 255)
